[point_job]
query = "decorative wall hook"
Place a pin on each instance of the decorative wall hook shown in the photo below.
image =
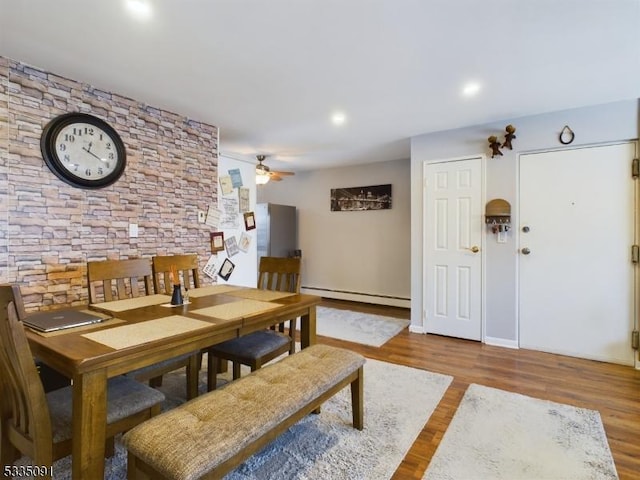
(495, 146)
(509, 137)
(566, 135)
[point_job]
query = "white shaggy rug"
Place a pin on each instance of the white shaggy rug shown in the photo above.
(358, 327)
(398, 401)
(497, 435)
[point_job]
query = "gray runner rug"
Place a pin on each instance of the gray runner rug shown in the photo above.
(358, 327)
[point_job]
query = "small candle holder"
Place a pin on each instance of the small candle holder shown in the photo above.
(176, 298)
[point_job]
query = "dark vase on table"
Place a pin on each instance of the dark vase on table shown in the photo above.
(176, 298)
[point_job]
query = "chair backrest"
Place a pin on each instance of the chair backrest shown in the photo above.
(279, 273)
(24, 405)
(119, 279)
(185, 266)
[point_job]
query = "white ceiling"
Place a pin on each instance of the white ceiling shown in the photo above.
(271, 73)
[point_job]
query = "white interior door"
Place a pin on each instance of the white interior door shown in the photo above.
(577, 226)
(453, 231)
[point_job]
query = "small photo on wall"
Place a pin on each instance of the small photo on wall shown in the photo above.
(245, 242)
(236, 177)
(249, 221)
(244, 199)
(217, 242)
(226, 269)
(232, 246)
(210, 268)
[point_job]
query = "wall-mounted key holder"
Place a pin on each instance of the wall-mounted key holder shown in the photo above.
(498, 215)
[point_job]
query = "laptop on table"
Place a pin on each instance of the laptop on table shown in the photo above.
(53, 320)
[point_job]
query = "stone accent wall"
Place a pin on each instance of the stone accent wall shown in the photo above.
(49, 230)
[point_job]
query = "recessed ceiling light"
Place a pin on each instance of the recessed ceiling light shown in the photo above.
(139, 8)
(471, 89)
(338, 118)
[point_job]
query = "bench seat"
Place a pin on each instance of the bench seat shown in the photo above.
(213, 433)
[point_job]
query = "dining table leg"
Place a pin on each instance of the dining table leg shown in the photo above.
(89, 424)
(308, 328)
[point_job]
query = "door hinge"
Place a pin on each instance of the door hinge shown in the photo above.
(635, 340)
(635, 168)
(635, 253)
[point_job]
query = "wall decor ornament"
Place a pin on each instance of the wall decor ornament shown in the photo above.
(509, 137)
(566, 135)
(494, 145)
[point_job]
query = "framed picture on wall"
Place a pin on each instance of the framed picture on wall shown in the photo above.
(226, 269)
(374, 197)
(249, 221)
(217, 242)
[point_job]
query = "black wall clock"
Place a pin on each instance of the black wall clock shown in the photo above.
(83, 150)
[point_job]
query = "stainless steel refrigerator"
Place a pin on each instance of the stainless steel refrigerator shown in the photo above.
(277, 227)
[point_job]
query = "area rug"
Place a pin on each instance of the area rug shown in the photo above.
(398, 401)
(497, 435)
(358, 327)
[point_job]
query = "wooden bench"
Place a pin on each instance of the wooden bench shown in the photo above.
(212, 434)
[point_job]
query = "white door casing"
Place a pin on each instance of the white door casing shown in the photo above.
(453, 260)
(576, 283)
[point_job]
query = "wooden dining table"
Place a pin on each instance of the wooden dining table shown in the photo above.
(146, 330)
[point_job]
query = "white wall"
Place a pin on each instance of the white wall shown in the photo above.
(245, 272)
(363, 256)
(592, 125)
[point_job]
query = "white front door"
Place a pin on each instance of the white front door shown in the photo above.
(577, 226)
(453, 230)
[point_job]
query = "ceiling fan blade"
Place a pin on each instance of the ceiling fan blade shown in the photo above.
(275, 178)
(283, 173)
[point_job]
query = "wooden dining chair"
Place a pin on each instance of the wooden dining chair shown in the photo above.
(39, 425)
(185, 265)
(256, 349)
(121, 279)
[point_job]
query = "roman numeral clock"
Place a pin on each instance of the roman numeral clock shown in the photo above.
(83, 151)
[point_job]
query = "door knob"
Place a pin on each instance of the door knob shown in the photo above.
(474, 249)
(526, 251)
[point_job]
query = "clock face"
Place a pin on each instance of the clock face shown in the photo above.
(83, 150)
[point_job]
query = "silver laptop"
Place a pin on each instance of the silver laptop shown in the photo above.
(60, 319)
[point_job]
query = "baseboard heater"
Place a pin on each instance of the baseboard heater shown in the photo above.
(358, 297)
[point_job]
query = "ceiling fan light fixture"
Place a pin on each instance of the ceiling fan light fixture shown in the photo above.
(264, 173)
(262, 178)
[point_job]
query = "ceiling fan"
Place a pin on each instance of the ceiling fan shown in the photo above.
(264, 173)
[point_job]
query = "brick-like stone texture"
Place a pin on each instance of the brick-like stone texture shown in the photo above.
(49, 230)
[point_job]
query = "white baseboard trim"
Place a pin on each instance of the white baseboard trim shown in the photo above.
(358, 297)
(501, 342)
(416, 329)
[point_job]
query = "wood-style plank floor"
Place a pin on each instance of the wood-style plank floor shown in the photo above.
(613, 390)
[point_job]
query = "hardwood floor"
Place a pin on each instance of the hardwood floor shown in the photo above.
(613, 390)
